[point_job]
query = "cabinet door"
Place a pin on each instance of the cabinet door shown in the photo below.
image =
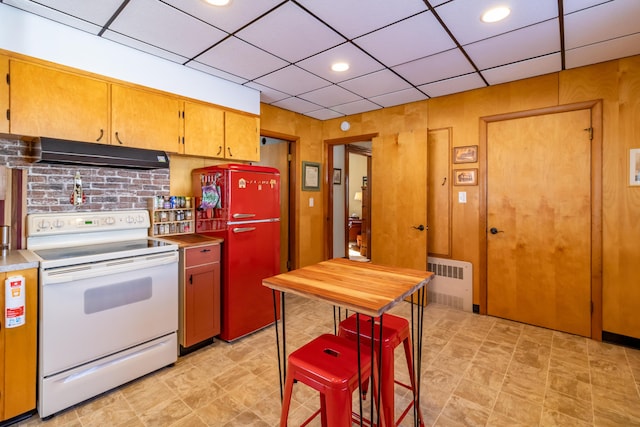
(145, 119)
(241, 137)
(203, 130)
(57, 104)
(4, 94)
(18, 357)
(202, 303)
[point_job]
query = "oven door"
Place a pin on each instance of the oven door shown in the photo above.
(90, 311)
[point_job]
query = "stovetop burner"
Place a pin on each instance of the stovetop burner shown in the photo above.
(98, 249)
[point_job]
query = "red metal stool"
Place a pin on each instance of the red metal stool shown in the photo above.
(395, 330)
(328, 364)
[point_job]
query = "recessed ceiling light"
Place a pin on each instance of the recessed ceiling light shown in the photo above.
(340, 66)
(218, 2)
(496, 14)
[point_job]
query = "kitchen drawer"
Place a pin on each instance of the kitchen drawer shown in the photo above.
(205, 254)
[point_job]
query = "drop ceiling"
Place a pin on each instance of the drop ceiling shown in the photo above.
(399, 51)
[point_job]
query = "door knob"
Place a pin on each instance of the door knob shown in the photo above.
(420, 227)
(494, 230)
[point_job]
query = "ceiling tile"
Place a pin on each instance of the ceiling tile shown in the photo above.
(462, 17)
(356, 107)
(605, 51)
(522, 70)
(375, 84)
(296, 105)
(330, 96)
(433, 68)
(267, 95)
(359, 63)
(371, 15)
(240, 58)
(215, 72)
(90, 19)
(413, 38)
(229, 18)
(158, 24)
(392, 99)
(293, 80)
(594, 24)
(290, 33)
(528, 42)
(144, 47)
(454, 85)
(324, 114)
(570, 6)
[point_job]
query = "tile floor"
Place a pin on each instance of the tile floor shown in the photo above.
(477, 371)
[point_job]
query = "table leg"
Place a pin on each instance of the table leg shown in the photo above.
(417, 322)
(282, 357)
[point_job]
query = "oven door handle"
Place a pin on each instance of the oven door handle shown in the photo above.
(59, 275)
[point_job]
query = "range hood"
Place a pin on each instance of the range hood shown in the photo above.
(85, 153)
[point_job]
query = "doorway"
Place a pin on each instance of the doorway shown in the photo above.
(344, 213)
(542, 204)
(279, 153)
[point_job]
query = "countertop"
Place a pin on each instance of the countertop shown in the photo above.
(18, 260)
(186, 240)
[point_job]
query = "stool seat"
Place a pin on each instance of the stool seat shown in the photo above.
(395, 331)
(328, 364)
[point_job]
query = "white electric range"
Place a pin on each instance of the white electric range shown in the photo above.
(108, 303)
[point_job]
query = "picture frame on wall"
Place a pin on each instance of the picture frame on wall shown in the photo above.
(465, 154)
(337, 176)
(634, 167)
(310, 176)
(465, 176)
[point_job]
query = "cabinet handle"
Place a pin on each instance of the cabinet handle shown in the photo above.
(101, 135)
(191, 279)
(229, 150)
(118, 138)
(205, 250)
(219, 150)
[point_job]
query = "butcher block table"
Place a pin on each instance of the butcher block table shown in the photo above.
(363, 287)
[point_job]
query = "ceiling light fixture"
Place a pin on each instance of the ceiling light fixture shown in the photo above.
(218, 2)
(496, 14)
(340, 66)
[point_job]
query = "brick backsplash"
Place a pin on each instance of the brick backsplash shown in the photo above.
(49, 186)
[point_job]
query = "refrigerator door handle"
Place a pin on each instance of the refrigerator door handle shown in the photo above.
(243, 229)
(239, 215)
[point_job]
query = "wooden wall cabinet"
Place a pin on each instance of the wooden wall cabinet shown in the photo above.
(46, 101)
(57, 104)
(199, 294)
(145, 119)
(4, 94)
(203, 130)
(18, 351)
(241, 137)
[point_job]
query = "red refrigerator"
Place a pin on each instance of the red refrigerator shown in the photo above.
(241, 204)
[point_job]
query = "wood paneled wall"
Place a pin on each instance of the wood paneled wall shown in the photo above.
(617, 83)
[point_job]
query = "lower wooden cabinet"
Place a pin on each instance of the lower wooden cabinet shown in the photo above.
(199, 294)
(18, 351)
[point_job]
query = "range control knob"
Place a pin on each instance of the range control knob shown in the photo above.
(44, 224)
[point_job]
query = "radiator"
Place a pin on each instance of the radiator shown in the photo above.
(452, 284)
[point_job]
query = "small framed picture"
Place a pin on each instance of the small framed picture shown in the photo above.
(310, 176)
(465, 177)
(634, 167)
(337, 176)
(466, 154)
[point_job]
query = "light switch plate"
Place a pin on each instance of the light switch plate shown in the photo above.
(310, 202)
(462, 197)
